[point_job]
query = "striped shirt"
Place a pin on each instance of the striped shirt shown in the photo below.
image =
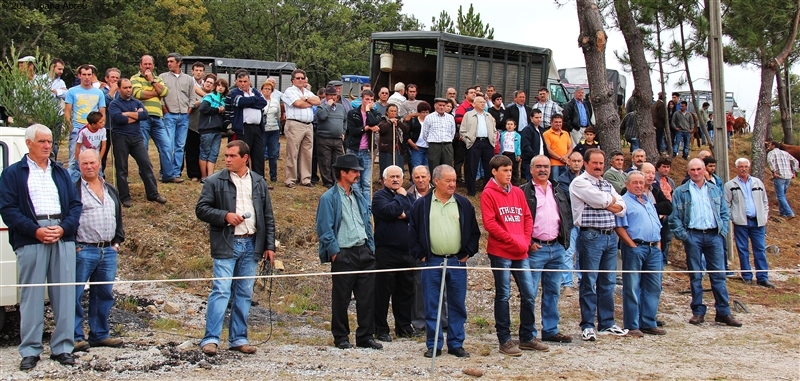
(590, 197)
(782, 163)
(293, 94)
(439, 128)
(98, 221)
(42, 189)
(152, 105)
(548, 108)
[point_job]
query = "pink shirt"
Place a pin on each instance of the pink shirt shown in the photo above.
(364, 144)
(546, 223)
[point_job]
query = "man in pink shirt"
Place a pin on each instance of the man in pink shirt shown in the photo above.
(552, 219)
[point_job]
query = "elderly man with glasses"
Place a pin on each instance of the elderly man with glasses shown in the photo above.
(298, 130)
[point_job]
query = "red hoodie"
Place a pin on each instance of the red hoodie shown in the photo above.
(508, 220)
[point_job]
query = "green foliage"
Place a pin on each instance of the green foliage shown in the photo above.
(29, 100)
(794, 90)
(467, 24)
(758, 30)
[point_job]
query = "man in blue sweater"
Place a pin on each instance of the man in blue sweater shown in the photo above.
(41, 208)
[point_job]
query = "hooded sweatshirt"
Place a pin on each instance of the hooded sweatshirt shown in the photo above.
(508, 221)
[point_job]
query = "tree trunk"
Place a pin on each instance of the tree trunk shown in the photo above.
(702, 126)
(783, 104)
(592, 41)
(643, 88)
(763, 110)
(667, 132)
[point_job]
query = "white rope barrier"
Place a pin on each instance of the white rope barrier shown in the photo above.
(301, 275)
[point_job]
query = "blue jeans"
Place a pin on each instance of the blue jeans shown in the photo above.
(686, 138)
(243, 263)
(419, 157)
(209, 146)
(597, 252)
(95, 265)
(364, 184)
(272, 151)
(634, 144)
(456, 290)
(709, 246)
(154, 127)
(177, 126)
(757, 237)
(525, 170)
(555, 171)
(781, 185)
(641, 292)
(550, 257)
(71, 162)
(502, 286)
(570, 262)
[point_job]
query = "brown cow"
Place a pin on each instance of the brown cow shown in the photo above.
(740, 126)
(792, 150)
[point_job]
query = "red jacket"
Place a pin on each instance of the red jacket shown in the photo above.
(461, 110)
(508, 221)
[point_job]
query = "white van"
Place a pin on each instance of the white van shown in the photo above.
(12, 148)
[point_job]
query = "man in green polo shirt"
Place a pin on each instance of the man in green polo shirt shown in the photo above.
(443, 228)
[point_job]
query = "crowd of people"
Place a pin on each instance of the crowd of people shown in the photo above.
(547, 203)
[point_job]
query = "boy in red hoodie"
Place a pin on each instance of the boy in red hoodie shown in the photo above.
(508, 221)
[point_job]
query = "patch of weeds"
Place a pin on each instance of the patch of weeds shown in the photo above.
(480, 322)
(301, 302)
(165, 324)
(161, 255)
(200, 264)
(129, 304)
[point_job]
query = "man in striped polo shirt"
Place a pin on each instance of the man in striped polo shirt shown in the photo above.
(150, 88)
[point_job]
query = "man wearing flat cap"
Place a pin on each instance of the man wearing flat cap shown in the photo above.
(345, 239)
(330, 130)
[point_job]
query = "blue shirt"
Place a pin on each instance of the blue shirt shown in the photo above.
(582, 114)
(747, 190)
(702, 214)
(83, 102)
(523, 116)
(640, 219)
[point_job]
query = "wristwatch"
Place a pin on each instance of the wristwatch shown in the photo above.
(116, 246)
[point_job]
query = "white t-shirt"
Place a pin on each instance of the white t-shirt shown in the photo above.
(88, 139)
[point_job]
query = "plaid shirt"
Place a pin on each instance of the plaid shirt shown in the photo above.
(438, 128)
(590, 217)
(548, 109)
(98, 221)
(782, 163)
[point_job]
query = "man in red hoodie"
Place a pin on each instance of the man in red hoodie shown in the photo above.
(508, 221)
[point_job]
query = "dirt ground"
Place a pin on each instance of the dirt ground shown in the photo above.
(291, 330)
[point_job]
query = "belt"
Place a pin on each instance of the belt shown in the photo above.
(299, 121)
(704, 231)
(545, 243)
(601, 231)
(481, 139)
(645, 243)
(96, 244)
(243, 235)
(440, 142)
(56, 216)
(752, 218)
(446, 256)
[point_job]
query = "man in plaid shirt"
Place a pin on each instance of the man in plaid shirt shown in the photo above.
(595, 203)
(783, 167)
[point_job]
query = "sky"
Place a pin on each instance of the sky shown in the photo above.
(542, 23)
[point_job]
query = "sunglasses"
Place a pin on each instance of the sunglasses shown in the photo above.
(299, 78)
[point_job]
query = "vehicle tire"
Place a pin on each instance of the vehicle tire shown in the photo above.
(2, 318)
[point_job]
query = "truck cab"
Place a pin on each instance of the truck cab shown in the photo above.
(12, 148)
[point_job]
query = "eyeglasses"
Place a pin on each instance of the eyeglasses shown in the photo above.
(299, 78)
(383, 92)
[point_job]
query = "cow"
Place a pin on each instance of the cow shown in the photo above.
(792, 150)
(740, 126)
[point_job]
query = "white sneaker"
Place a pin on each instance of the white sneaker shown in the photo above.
(614, 330)
(588, 334)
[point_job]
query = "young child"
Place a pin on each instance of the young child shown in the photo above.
(91, 136)
(588, 141)
(510, 147)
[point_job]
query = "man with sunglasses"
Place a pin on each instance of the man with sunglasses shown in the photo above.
(299, 132)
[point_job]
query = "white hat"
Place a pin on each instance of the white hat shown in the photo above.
(27, 59)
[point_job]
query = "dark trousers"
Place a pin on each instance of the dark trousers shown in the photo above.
(514, 167)
(328, 150)
(362, 286)
(125, 146)
(439, 153)
(104, 159)
(397, 286)
(479, 154)
(192, 154)
(254, 137)
(459, 156)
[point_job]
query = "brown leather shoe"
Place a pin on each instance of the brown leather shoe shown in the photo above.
(654, 331)
(697, 319)
(107, 342)
(210, 349)
(727, 320)
(246, 349)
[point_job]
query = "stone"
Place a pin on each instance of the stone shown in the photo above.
(172, 307)
(152, 309)
(186, 345)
